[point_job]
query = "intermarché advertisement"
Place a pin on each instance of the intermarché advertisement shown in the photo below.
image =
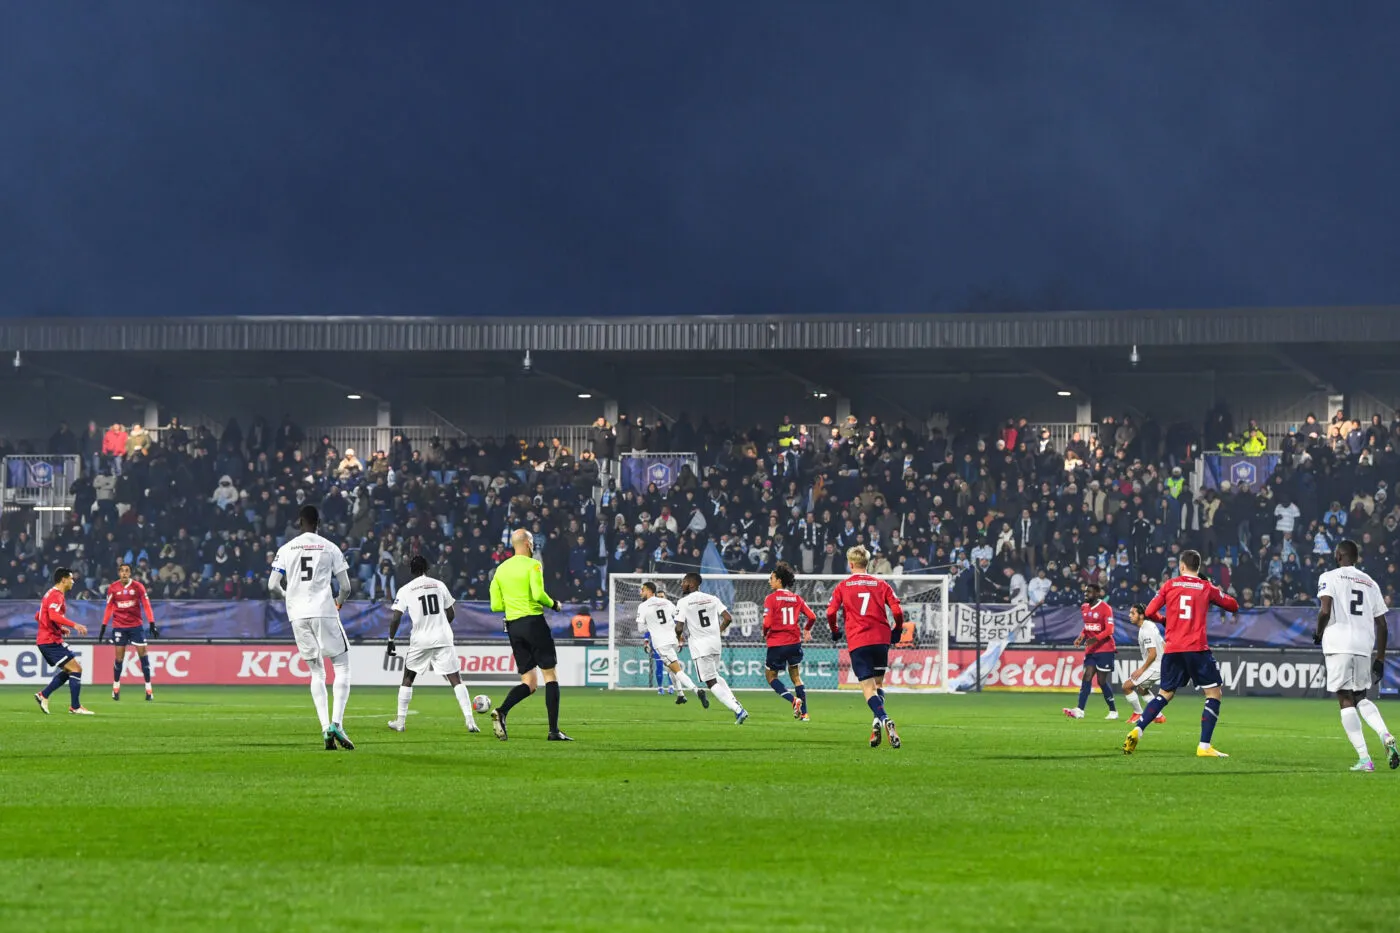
(1257, 672)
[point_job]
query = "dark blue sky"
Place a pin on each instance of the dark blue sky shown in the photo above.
(664, 157)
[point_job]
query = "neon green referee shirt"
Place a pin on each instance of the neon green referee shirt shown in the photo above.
(518, 588)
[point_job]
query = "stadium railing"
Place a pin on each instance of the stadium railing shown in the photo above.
(41, 484)
(366, 439)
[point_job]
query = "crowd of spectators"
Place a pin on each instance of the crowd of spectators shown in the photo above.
(1006, 511)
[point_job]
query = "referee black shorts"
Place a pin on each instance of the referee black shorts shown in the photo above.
(533, 644)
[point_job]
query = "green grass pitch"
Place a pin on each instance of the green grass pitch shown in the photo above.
(216, 808)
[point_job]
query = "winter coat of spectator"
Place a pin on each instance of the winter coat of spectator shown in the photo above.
(665, 522)
(383, 584)
(225, 494)
(63, 443)
(1095, 501)
(601, 437)
(1286, 515)
(138, 439)
(289, 436)
(1038, 589)
(1006, 543)
(114, 441)
(350, 465)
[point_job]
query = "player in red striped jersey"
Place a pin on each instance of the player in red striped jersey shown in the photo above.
(126, 600)
(53, 623)
(784, 635)
(864, 599)
(1182, 606)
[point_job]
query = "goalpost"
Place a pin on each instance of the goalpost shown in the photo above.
(918, 662)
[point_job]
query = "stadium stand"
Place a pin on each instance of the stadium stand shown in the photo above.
(200, 515)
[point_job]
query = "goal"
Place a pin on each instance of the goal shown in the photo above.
(919, 662)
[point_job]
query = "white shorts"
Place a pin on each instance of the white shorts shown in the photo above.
(1348, 672)
(440, 660)
(669, 654)
(319, 638)
(707, 666)
(1150, 680)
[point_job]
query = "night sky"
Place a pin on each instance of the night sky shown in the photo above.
(660, 157)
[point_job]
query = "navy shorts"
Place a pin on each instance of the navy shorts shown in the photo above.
(870, 661)
(781, 657)
(121, 637)
(1183, 667)
(1099, 661)
(57, 655)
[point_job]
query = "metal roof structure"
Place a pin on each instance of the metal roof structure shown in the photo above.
(1080, 329)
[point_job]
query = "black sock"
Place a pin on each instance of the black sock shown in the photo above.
(551, 703)
(517, 693)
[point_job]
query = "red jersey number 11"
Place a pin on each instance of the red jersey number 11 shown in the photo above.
(790, 615)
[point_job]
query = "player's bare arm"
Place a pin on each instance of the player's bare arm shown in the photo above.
(106, 618)
(150, 613)
(1378, 659)
(342, 579)
(390, 649)
(1324, 615)
(725, 620)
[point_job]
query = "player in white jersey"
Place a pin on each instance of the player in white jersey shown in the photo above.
(657, 617)
(302, 571)
(1351, 630)
(1148, 676)
(703, 620)
(428, 603)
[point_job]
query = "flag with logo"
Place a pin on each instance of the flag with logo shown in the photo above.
(642, 470)
(1239, 470)
(26, 473)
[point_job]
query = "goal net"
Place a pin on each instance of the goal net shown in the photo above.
(918, 662)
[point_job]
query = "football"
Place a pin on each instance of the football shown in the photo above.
(481, 703)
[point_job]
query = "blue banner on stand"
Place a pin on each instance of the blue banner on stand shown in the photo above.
(23, 473)
(662, 469)
(1241, 471)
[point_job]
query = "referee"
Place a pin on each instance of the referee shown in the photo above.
(517, 589)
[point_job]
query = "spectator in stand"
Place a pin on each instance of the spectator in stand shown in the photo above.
(138, 441)
(225, 494)
(400, 451)
(944, 496)
(350, 465)
(90, 448)
(114, 447)
(289, 436)
(63, 443)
